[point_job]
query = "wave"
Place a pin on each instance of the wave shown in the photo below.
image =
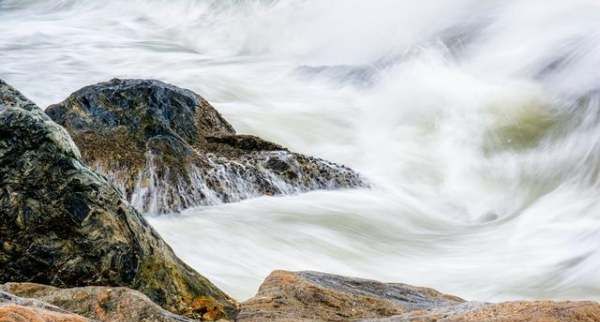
(476, 121)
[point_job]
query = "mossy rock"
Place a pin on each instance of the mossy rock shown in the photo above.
(65, 225)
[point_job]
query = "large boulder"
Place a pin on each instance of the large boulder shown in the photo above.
(99, 303)
(317, 297)
(62, 224)
(313, 296)
(168, 149)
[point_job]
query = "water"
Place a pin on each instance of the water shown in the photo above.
(476, 122)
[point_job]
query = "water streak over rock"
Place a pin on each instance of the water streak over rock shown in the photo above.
(168, 149)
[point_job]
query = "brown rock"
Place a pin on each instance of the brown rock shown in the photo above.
(312, 296)
(18, 313)
(523, 311)
(17, 309)
(110, 304)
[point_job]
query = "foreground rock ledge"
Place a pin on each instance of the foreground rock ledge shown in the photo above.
(110, 304)
(17, 309)
(62, 224)
(168, 149)
(312, 296)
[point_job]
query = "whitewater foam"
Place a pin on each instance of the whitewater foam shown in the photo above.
(476, 122)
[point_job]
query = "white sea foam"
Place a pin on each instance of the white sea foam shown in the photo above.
(476, 121)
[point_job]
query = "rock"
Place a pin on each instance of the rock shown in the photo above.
(311, 297)
(18, 313)
(16, 309)
(64, 225)
(523, 311)
(168, 149)
(107, 304)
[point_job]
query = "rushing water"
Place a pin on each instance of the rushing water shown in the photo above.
(477, 123)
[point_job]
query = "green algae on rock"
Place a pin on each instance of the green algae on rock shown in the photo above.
(62, 224)
(168, 149)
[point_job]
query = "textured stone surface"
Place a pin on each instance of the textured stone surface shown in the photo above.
(311, 297)
(64, 225)
(19, 313)
(110, 304)
(168, 149)
(535, 311)
(16, 309)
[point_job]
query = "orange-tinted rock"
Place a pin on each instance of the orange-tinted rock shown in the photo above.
(18, 313)
(109, 304)
(538, 311)
(522, 311)
(17, 309)
(312, 297)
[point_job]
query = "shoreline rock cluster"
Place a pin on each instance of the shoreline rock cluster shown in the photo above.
(73, 249)
(64, 225)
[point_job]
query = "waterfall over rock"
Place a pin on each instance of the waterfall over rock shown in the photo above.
(168, 149)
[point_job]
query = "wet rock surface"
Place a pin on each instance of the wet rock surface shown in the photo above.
(312, 296)
(106, 304)
(168, 149)
(64, 225)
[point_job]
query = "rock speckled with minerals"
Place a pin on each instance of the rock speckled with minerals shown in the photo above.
(63, 224)
(320, 297)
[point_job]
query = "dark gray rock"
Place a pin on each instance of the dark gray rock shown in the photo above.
(168, 149)
(62, 224)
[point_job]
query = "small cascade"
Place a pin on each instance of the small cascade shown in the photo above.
(219, 180)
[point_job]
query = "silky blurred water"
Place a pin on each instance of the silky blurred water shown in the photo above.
(476, 122)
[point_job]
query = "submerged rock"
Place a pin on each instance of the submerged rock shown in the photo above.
(168, 149)
(312, 296)
(62, 224)
(106, 304)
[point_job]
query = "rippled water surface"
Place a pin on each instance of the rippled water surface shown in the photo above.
(477, 123)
